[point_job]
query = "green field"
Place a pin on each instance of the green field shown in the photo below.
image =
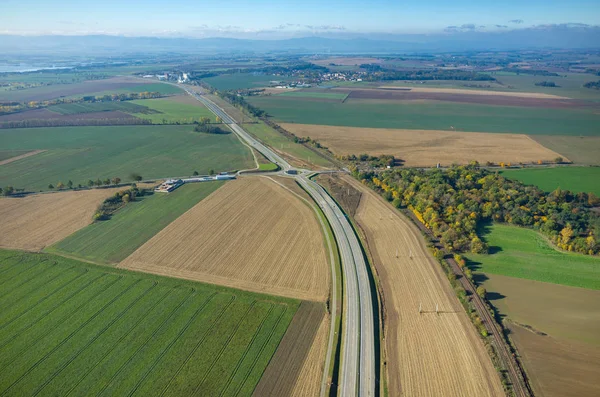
(279, 142)
(575, 179)
(77, 108)
(431, 116)
(71, 328)
(315, 94)
(113, 240)
(234, 81)
(580, 149)
(165, 89)
(82, 153)
(524, 253)
(7, 154)
(172, 111)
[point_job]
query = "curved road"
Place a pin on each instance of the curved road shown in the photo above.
(357, 373)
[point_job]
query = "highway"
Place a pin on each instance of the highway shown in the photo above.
(357, 369)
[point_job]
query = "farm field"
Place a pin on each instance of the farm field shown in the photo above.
(115, 85)
(172, 109)
(436, 115)
(296, 369)
(251, 234)
(315, 94)
(83, 153)
(575, 179)
(104, 117)
(419, 361)
(34, 222)
(235, 81)
(562, 351)
(17, 155)
(466, 91)
(113, 240)
(80, 329)
(524, 253)
(9, 154)
(78, 108)
(426, 148)
(298, 154)
(580, 149)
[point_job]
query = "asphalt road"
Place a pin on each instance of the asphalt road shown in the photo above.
(357, 373)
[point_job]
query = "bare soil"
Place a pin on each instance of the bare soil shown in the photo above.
(475, 92)
(427, 147)
(296, 369)
(34, 222)
(251, 234)
(432, 94)
(435, 352)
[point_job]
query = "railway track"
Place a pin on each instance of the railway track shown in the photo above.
(514, 370)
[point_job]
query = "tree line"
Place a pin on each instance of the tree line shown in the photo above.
(453, 203)
(119, 200)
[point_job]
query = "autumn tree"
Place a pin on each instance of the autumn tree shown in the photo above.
(481, 291)
(50, 186)
(116, 180)
(70, 184)
(60, 185)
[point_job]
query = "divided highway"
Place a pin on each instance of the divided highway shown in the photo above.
(357, 373)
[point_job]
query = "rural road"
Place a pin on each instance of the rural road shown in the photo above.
(357, 373)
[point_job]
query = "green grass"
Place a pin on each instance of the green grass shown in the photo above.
(524, 253)
(165, 89)
(575, 179)
(113, 240)
(77, 108)
(268, 167)
(172, 111)
(82, 153)
(431, 116)
(279, 142)
(315, 94)
(73, 328)
(234, 81)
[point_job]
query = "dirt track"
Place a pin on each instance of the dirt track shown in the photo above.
(250, 234)
(428, 353)
(427, 147)
(22, 156)
(34, 222)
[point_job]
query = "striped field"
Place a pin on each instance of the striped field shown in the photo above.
(70, 328)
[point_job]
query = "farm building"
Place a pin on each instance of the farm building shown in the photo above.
(169, 185)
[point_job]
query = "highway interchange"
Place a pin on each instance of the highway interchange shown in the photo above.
(357, 369)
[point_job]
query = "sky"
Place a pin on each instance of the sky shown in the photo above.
(280, 19)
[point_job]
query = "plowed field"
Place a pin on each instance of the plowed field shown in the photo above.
(428, 353)
(251, 234)
(34, 222)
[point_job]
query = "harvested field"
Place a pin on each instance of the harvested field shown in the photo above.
(556, 367)
(426, 147)
(427, 354)
(21, 156)
(474, 92)
(34, 222)
(296, 369)
(251, 234)
(466, 96)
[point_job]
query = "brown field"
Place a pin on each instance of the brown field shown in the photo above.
(476, 97)
(22, 156)
(475, 92)
(426, 147)
(275, 91)
(579, 149)
(296, 369)
(345, 61)
(250, 234)
(45, 114)
(34, 222)
(565, 361)
(427, 354)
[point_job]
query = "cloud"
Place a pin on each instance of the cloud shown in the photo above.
(501, 26)
(517, 21)
(465, 27)
(564, 26)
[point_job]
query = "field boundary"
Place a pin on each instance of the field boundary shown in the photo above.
(22, 156)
